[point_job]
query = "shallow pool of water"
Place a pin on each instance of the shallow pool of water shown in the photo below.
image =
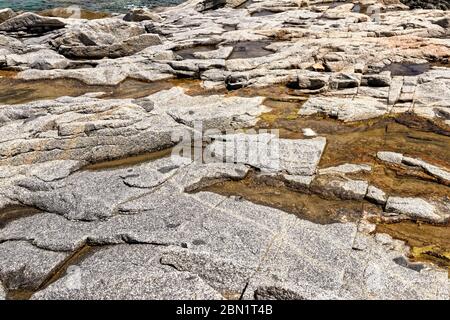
(14, 91)
(407, 69)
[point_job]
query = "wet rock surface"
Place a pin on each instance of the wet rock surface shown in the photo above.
(99, 198)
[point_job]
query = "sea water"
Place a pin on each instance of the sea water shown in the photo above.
(94, 5)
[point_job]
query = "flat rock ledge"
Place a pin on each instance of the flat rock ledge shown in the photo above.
(135, 226)
(219, 248)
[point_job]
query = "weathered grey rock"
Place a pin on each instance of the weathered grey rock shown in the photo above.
(101, 38)
(312, 81)
(40, 131)
(391, 157)
(193, 67)
(128, 272)
(161, 238)
(340, 188)
(376, 195)
(358, 108)
(42, 59)
(2, 292)
(6, 14)
(300, 183)
(395, 90)
(441, 174)
(50, 231)
(54, 170)
(375, 92)
(221, 53)
(344, 81)
(213, 245)
(141, 14)
(346, 168)
(214, 112)
(123, 48)
(31, 23)
(10, 45)
(432, 99)
(198, 176)
(204, 5)
(308, 132)
(81, 129)
(107, 72)
(24, 266)
(415, 208)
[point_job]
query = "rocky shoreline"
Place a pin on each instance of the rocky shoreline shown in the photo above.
(93, 205)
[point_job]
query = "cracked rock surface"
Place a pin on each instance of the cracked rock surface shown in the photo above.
(211, 245)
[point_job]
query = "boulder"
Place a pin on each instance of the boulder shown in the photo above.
(142, 14)
(44, 59)
(6, 14)
(139, 276)
(31, 23)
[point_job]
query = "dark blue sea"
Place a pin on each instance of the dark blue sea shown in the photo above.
(94, 5)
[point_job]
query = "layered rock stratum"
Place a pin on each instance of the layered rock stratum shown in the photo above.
(96, 204)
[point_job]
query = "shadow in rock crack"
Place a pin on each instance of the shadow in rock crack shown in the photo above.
(189, 53)
(274, 193)
(358, 142)
(9, 214)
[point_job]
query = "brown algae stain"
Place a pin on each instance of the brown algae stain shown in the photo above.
(276, 194)
(73, 259)
(429, 243)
